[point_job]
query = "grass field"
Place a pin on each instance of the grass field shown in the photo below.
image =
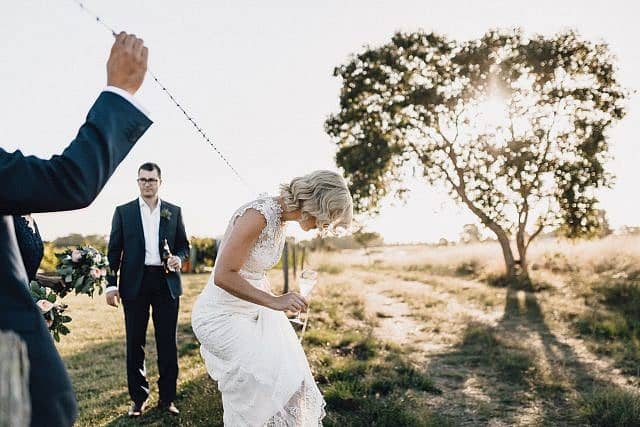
(420, 336)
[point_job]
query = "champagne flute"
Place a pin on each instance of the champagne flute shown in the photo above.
(308, 279)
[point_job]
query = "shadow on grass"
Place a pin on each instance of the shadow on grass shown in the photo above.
(199, 402)
(366, 382)
(98, 375)
(612, 326)
(556, 384)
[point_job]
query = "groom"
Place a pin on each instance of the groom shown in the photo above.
(138, 232)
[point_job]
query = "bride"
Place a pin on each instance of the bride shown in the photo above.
(247, 343)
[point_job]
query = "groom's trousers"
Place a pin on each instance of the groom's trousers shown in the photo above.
(154, 293)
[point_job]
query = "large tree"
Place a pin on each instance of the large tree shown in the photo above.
(514, 127)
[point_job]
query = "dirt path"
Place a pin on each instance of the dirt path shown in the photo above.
(432, 316)
(394, 318)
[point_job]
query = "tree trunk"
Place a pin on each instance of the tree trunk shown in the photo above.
(15, 402)
(509, 261)
(503, 238)
(522, 252)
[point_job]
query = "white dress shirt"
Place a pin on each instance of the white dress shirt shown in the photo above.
(133, 101)
(126, 95)
(151, 228)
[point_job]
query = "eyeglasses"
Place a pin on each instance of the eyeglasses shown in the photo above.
(144, 181)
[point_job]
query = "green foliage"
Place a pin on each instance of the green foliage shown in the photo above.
(611, 407)
(481, 346)
(74, 239)
(83, 270)
(367, 238)
(364, 389)
(356, 240)
(614, 323)
(206, 251)
(506, 123)
(468, 268)
(71, 241)
(330, 268)
(49, 259)
(52, 311)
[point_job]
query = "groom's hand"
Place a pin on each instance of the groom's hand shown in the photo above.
(113, 298)
(127, 63)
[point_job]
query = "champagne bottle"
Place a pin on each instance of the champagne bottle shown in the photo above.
(166, 253)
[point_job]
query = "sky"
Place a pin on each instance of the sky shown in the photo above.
(257, 77)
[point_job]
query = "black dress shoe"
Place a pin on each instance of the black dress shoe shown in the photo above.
(168, 407)
(136, 409)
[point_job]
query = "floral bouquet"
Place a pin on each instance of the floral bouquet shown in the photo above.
(83, 269)
(45, 299)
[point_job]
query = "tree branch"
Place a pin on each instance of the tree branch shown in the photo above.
(534, 235)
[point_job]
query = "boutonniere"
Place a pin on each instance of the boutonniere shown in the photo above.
(165, 213)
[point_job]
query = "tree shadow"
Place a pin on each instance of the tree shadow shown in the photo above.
(612, 325)
(511, 380)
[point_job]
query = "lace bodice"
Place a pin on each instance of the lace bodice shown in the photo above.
(267, 250)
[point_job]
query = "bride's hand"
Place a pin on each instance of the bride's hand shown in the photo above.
(291, 301)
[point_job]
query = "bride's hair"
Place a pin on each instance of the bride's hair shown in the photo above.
(322, 194)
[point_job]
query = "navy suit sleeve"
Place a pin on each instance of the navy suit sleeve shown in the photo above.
(73, 179)
(182, 248)
(114, 250)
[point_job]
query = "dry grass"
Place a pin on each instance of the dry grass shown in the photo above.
(514, 357)
(94, 353)
(444, 348)
(609, 254)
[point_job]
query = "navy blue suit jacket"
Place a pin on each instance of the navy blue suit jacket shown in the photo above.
(68, 181)
(126, 251)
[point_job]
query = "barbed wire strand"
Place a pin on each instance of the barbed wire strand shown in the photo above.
(173, 99)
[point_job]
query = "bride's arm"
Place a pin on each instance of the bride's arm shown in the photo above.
(235, 252)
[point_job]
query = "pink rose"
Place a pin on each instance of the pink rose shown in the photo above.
(94, 273)
(76, 255)
(103, 272)
(44, 305)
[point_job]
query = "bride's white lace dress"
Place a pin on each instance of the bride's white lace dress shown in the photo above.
(253, 351)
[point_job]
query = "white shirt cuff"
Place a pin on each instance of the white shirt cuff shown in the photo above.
(110, 289)
(126, 95)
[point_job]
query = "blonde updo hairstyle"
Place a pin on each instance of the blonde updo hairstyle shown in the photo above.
(322, 194)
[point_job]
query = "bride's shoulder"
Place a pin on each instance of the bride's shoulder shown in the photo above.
(266, 207)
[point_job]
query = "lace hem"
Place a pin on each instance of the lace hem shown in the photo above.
(276, 391)
(305, 408)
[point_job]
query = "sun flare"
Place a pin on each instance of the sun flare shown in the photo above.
(493, 110)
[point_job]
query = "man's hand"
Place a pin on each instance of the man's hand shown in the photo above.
(53, 282)
(127, 63)
(174, 263)
(113, 298)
